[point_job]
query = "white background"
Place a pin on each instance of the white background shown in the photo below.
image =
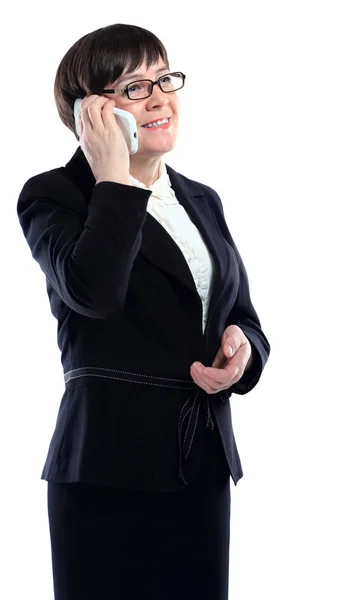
(269, 120)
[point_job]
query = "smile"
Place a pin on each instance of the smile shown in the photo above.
(158, 125)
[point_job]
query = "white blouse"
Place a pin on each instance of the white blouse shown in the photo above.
(165, 208)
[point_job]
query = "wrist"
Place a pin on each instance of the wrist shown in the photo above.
(114, 178)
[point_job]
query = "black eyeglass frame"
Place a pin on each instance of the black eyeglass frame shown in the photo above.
(153, 83)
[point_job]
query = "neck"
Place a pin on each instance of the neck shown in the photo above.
(145, 170)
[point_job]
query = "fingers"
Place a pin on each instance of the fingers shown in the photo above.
(91, 110)
(227, 368)
(210, 377)
(222, 376)
(219, 360)
(103, 143)
(216, 378)
(202, 382)
(107, 113)
(233, 337)
(207, 383)
(231, 345)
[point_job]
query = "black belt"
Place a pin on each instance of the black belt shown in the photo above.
(192, 404)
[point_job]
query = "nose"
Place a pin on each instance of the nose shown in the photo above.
(158, 97)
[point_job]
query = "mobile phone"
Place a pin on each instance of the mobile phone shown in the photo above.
(125, 120)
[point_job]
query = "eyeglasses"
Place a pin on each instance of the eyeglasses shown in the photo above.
(137, 90)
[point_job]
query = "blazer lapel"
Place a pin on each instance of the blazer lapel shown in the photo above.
(159, 248)
(157, 245)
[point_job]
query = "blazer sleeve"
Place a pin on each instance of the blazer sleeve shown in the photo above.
(243, 313)
(85, 249)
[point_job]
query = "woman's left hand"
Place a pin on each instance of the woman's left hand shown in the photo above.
(227, 368)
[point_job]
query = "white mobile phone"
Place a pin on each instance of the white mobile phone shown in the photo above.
(125, 120)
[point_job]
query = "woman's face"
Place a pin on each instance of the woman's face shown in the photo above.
(157, 106)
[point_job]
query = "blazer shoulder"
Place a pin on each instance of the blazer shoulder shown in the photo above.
(53, 185)
(49, 177)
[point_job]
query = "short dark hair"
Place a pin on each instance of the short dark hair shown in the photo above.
(101, 57)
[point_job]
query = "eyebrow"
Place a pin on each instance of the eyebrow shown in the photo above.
(139, 75)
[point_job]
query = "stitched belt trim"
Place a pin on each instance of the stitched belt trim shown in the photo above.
(134, 377)
(185, 438)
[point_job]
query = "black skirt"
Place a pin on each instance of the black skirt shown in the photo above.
(117, 544)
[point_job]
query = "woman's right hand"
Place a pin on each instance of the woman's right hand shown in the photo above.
(102, 140)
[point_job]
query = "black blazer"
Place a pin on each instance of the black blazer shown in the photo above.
(130, 325)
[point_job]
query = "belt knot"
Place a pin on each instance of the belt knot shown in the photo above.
(191, 410)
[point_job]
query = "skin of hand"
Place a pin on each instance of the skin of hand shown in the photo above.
(101, 140)
(227, 367)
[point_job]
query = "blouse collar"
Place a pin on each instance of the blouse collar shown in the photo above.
(161, 188)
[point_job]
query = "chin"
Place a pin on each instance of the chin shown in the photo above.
(159, 148)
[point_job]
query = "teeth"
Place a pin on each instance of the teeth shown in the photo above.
(157, 123)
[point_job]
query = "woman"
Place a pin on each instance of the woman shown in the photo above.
(146, 282)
